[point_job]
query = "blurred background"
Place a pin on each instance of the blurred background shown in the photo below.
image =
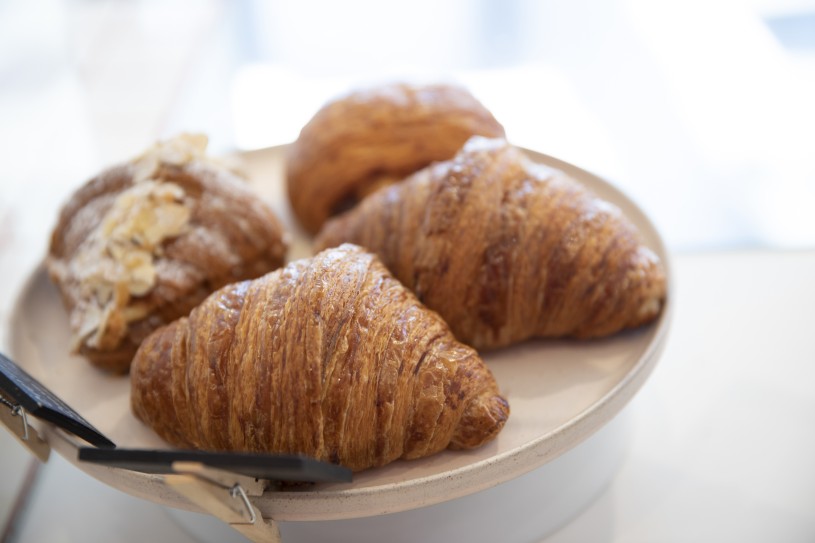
(700, 110)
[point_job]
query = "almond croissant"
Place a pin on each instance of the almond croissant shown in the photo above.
(144, 242)
(377, 136)
(506, 249)
(329, 357)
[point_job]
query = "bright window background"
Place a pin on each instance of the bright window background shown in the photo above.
(701, 110)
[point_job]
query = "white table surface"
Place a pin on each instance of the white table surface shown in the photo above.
(712, 137)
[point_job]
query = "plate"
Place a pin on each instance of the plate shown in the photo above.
(560, 392)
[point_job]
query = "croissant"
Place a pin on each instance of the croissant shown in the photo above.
(506, 249)
(330, 357)
(374, 137)
(144, 242)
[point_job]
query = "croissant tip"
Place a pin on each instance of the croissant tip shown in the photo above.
(483, 419)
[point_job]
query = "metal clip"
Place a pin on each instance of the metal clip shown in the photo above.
(224, 495)
(16, 421)
(238, 490)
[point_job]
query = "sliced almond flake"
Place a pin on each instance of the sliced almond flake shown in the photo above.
(117, 261)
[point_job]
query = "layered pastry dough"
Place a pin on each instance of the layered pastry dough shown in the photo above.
(330, 357)
(373, 137)
(144, 242)
(506, 249)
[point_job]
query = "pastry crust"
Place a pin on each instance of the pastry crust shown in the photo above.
(374, 137)
(506, 249)
(144, 242)
(330, 357)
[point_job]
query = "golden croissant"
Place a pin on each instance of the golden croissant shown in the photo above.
(376, 136)
(506, 249)
(144, 242)
(330, 357)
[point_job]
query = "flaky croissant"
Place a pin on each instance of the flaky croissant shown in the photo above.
(329, 357)
(376, 136)
(506, 249)
(144, 242)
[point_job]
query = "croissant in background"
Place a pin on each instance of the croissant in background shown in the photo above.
(506, 249)
(144, 242)
(374, 137)
(330, 357)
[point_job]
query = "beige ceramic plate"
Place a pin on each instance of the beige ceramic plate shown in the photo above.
(560, 392)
